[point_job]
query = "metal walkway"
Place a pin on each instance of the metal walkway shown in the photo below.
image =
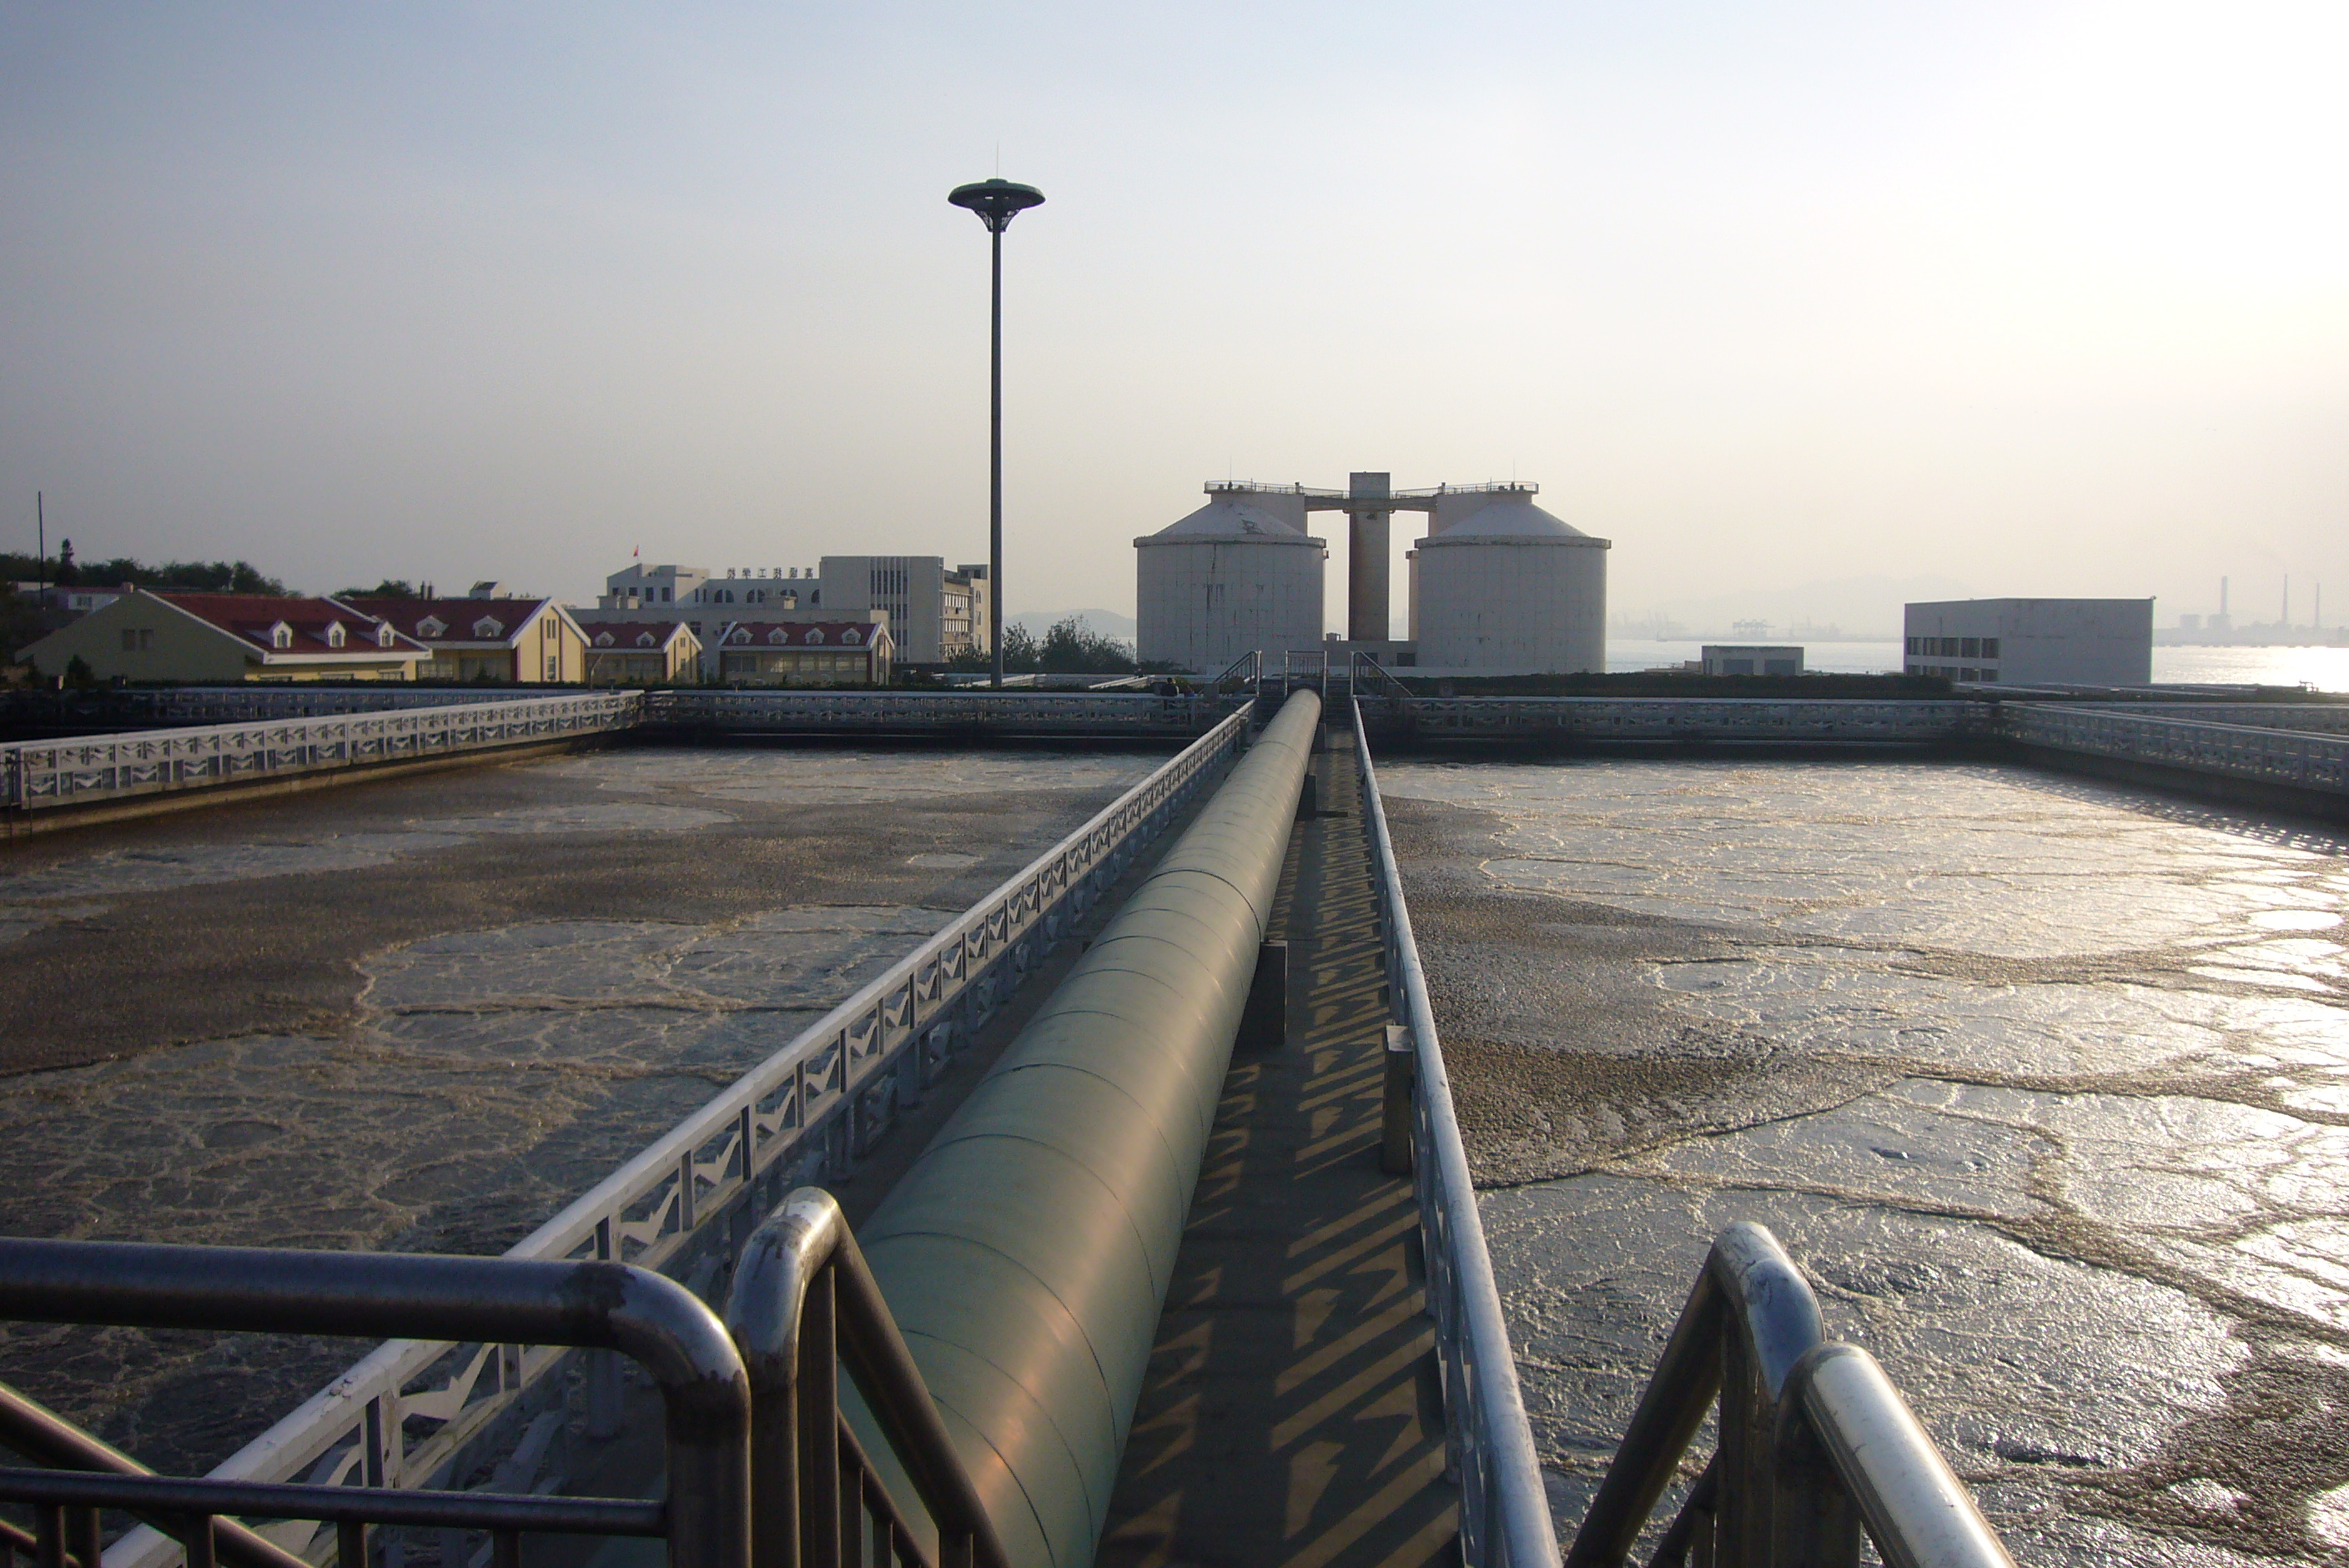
(1294, 1413)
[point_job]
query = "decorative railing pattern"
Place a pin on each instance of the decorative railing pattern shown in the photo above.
(1679, 718)
(2289, 757)
(413, 1413)
(2312, 717)
(1504, 1511)
(38, 775)
(919, 712)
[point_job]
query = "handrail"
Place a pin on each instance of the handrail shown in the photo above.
(1504, 1519)
(1750, 1298)
(651, 1319)
(1252, 661)
(803, 1300)
(1814, 1444)
(1917, 1512)
(39, 1432)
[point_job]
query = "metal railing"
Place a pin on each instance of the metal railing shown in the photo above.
(38, 775)
(1244, 674)
(1805, 720)
(1023, 713)
(1504, 1511)
(1314, 674)
(521, 1309)
(2312, 717)
(2295, 758)
(804, 1305)
(685, 1205)
(1815, 1443)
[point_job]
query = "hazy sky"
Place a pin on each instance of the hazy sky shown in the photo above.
(2044, 298)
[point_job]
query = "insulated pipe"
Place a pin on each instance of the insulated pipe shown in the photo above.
(1027, 1253)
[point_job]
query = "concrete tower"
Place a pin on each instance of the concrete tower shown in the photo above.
(1367, 541)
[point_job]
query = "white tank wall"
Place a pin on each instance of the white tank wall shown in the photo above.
(1203, 602)
(1514, 606)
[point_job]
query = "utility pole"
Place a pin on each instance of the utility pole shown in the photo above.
(996, 201)
(41, 522)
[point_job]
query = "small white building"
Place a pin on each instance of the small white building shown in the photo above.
(1751, 659)
(2032, 642)
(1232, 578)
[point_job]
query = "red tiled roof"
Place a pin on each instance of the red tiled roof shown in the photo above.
(251, 617)
(625, 634)
(456, 617)
(857, 635)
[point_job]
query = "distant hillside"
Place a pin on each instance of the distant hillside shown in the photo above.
(1857, 607)
(1103, 622)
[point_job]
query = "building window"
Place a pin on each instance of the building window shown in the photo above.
(1989, 674)
(1970, 647)
(1990, 648)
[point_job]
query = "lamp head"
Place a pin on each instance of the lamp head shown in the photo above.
(996, 202)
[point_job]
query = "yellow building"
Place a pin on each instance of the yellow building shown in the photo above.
(526, 642)
(642, 653)
(222, 637)
(805, 653)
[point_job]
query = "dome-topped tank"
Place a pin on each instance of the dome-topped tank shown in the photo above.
(1234, 576)
(1509, 588)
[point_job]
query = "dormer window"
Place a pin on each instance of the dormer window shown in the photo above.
(383, 636)
(816, 633)
(281, 636)
(644, 639)
(779, 635)
(740, 635)
(489, 628)
(431, 626)
(336, 636)
(602, 639)
(849, 637)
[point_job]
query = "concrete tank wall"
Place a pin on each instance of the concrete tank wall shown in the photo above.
(1204, 601)
(1534, 606)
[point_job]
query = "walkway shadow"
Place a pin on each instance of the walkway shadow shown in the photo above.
(1293, 1417)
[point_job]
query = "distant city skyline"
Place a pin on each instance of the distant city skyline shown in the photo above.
(2034, 298)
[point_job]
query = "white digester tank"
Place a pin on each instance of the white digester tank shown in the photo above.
(1509, 589)
(1233, 577)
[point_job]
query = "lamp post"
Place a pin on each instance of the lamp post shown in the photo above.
(997, 202)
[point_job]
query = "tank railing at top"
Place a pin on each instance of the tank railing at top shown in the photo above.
(1815, 1443)
(511, 1303)
(804, 1306)
(1503, 1511)
(413, 1410)
(35, 775)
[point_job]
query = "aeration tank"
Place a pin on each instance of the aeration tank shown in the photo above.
(1234, 576)
(1509, 589)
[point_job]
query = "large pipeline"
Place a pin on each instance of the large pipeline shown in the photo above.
(1027, 1254)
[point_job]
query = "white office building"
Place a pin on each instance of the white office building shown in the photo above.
(933, 614)
(2032, 642)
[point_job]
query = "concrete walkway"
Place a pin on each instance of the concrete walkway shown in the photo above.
(1293, 1416)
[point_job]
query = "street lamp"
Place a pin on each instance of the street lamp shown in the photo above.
(997, 202)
